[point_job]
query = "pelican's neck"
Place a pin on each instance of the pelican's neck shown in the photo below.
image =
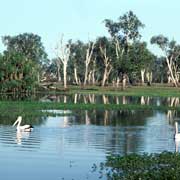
(19, 122)
(176, 125)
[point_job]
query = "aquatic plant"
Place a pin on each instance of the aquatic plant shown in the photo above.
(146, 166)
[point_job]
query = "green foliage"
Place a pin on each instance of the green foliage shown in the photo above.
(160, 40)
(25, 61)
(125, 53)
(108, 47)
(27, 44)
(171, 52)
(126, 28)
(21, 63)
(140, 58)
(17, 74)
(147, 166)
(77, 59)
(124, 33)
(160, 70)
(130, 25)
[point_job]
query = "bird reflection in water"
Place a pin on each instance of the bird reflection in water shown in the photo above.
(20, 136)
(176, 137)
(177, 146)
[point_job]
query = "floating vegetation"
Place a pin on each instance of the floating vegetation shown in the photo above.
(147, 166)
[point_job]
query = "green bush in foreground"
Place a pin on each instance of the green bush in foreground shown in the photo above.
(165, 166)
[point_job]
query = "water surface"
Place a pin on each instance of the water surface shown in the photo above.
(66, 147)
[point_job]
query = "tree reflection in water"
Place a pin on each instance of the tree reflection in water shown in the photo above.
(112, 117)
(122, 122)
(5, 118)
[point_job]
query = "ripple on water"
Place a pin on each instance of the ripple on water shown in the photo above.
(52, 151)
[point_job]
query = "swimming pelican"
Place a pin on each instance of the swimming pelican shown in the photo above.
(25, 128)
(177, 134)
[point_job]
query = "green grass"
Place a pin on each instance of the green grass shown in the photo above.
(161, 91)
(34, 106)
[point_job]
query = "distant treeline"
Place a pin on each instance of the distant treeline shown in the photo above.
(120, 58)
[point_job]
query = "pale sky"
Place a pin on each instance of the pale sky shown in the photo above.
(83, 19)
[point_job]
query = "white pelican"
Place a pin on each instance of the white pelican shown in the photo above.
(25, 128)
(177, 134)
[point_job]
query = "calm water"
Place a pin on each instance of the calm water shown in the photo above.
(66, 147)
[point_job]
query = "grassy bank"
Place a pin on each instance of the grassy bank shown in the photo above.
(154, 90)
(9, 110)
(36, 106)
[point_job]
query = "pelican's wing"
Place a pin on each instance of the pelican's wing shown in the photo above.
(26, 127)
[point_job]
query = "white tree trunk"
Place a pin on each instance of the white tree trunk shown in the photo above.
(149, 77)
(93, 72)
(86, 74)
(90, 77)
(142, 76)
(169, 79)
(142, 100)
(75, 75)
(58, 74)
(107, 64)
(63, 53)
(169, 63)
(89, 53)
(117, 82)
(65, 74)
(104, 77)
(123, 82)
(75, 98)
(93, 77)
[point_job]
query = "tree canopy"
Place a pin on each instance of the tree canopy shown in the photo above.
(120, 58)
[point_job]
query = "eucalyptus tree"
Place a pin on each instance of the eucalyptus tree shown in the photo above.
(63, 53)
(124, 32)
(88, 59)
(54, 70)
(77, 57)
(104, 51)
(159, 70)
(141, 60)
(58, 63)
(171, 52)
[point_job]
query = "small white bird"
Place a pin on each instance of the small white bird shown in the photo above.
(177, 134)
(25, 128)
